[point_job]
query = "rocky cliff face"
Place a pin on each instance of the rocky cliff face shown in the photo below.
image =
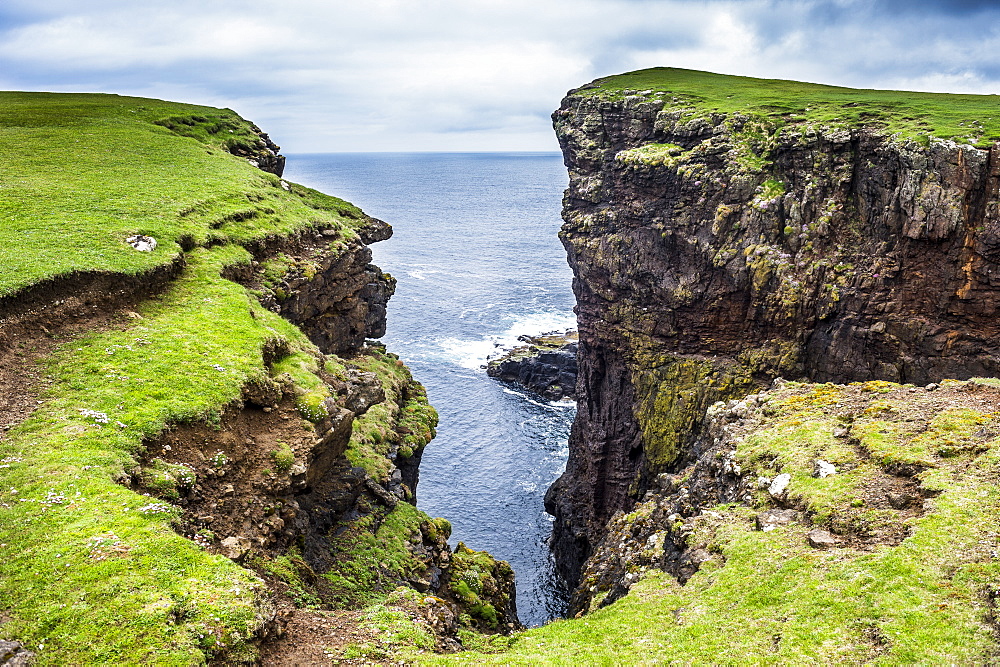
(713, 252)
(322, 457)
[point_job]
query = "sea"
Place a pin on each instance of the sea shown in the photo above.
(478, 262)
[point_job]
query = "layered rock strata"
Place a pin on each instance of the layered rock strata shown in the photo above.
(713, 252)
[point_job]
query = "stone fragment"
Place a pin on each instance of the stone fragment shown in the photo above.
(822, 539)
(235, 548)
(841, 432)
(775, 518)
(824, 469)
(901, 501)
(779, 485)
(380, 492)
(142, 243)
(932, 386)
(13, 654)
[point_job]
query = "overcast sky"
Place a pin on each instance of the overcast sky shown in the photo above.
(376, 75)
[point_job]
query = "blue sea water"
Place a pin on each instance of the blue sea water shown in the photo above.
(478, 263)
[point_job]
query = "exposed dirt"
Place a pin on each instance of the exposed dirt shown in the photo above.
(342, 637)
(240, 487)
(316, 638)
(36, 322)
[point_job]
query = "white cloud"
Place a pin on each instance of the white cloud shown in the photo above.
(465, 74)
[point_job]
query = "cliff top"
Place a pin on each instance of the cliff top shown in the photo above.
(904, 476)
(93, 568)
(973, 119)
(84, 172)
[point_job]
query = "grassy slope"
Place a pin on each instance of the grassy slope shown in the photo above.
(81, 172)
(91, 572)
(767, 597)
(971, 119)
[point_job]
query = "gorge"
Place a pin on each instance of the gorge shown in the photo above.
(787, 441)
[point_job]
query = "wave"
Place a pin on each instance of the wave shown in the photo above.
(475, 353)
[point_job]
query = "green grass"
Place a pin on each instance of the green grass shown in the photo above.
(768, 598)
(82, 172)
(90, 571)
(162, 598)
(971, 119)
(403, 424)
(373, 555)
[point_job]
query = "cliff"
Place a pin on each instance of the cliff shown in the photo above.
(823, 523)
(727, 231)
(203, 455)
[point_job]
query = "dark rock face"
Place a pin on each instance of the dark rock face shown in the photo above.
(656, 533)
(545, 366)
(343, 303)
(732, 253)
(332, 290)
(264, 155)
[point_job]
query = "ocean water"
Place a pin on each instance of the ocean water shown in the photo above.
(478, 263)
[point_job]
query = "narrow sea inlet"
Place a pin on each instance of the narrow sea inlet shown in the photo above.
(478, 263)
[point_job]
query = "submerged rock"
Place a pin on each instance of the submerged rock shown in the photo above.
(546, 365)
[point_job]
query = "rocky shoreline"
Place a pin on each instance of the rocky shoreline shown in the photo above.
(545, 365)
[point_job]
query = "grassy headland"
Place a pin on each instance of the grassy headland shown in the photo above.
(92, 572)
(973, 119)
(82, 172)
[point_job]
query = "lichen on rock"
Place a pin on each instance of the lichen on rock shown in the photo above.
(716, 248)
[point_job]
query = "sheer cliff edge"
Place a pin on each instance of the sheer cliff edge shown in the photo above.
(726, 231)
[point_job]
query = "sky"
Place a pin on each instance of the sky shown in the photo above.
(471, 75)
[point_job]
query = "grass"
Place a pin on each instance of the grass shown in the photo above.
(403, 424)
(973, 119)
(161, 598)
(373, 555)
(767, 597)
(90, 571)
(82, 172)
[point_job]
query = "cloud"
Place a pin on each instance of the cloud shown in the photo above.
(470, 74)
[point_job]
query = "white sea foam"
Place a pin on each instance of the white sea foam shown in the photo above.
(467, 353)
(475, 353)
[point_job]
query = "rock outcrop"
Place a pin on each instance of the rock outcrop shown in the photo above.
(307, 470)
(223, 438)
(546, 365)
(713, 252)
